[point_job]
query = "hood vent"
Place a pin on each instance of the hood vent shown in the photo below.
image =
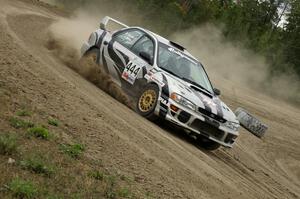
(199, 90)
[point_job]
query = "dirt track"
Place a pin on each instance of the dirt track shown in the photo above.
(164, 162)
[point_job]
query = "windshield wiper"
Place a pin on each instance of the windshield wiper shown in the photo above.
(195, 84)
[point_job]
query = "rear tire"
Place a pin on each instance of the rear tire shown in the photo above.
(90, 55)
(207, 144)
(88, 66)
(147, 101)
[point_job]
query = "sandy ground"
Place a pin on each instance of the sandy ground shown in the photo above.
(164, 162)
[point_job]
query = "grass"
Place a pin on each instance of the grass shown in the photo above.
(111, 182)
(8, 144)
(124, 193)
(73, 150)
(49, 180)
(97, 175)
(23, 189)
(149, 195)
(39, 132)
(19, 123)
(37, 165)
(53, 122)
(53, 197)
(23, 113)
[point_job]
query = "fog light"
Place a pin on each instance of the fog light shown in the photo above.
(174, 108)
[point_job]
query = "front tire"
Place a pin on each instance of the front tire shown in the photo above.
(207, 144)
(147, 101)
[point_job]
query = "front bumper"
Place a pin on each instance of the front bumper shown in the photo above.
(197, 123)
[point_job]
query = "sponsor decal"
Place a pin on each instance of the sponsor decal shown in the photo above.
(157, 81)
(180, 54)
(131, 71)
(163, 101)
(150, 76)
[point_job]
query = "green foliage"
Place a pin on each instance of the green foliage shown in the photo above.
(37, 165)
(111, 182)
(111, 194)
(19, 123)
(23, 189)
(39, 132)
(23, 113)
(53, 122)
(73, 150)
(149, 195)
(124, 193)
(53, 196)
(291, 37)
(8, 144)
(97, 175)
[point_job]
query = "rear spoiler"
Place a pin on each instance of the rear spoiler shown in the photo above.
(105, 21)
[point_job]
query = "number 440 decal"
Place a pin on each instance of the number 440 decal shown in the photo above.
(130, 72)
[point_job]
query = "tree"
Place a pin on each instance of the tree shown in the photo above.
(292, 37)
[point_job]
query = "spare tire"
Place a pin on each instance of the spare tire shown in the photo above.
(250, 123)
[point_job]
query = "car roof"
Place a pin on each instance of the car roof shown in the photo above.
(167, 42)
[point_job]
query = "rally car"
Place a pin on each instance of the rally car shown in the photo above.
(166, 81)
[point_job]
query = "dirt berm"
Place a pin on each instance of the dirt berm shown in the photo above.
(164, 162)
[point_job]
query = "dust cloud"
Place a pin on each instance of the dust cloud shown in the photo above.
(224, 61)
(65, 38)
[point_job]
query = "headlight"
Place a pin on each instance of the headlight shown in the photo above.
(232, 125)
(183, 101)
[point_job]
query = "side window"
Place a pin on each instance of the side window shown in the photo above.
(145, 44)
(129, 37)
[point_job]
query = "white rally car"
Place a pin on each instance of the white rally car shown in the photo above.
(166, 81)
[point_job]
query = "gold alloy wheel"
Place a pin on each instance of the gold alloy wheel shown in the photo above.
(147, 100)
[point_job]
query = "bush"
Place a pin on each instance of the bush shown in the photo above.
(124, 193)
(23, 113)
(19, 123)
(97, 175)
(8, 144)
(73, 150)
(37, 165)
(39, 132)
(23, 189)
(53, 122)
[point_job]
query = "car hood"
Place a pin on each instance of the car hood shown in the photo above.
(211, 106)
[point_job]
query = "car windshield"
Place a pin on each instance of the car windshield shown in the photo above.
(182, 66)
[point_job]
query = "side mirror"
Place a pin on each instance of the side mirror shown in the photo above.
(217, 91)
(146, 56)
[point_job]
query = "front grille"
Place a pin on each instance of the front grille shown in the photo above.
(211, 115)
(207, 128)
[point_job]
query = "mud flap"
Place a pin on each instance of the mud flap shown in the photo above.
(250, 123)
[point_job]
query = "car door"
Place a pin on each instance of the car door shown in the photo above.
(124, 55)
